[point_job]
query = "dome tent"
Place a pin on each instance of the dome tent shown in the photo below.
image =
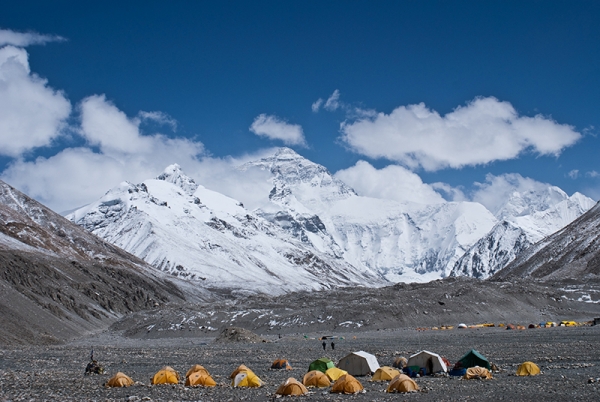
(402, 383)
(346, 384)
(291, 387)
(316, 378)
(385, 373)
(321, 364)
(166, 375)
(119, 380)
(528, 368)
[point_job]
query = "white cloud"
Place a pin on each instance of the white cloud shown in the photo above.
(77, 176)
(31, 113)
(483, 131)
(392, 182)
(316, 105)
(23, 39)
(573, 174)
(160, 118)
(276, 129)
(592, 174)
(497, 190)
(333, 102)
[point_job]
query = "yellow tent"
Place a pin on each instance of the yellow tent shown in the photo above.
(477, 372)
(119, 380)
(346, 384)
(195, 368)
(385, 373)
(200, 378)
(291, 387)
(281, 364)
(334, 373)
(528, 368)
(166, 375)
(316, 378)
(247, 379)
(402, 383)
(238, 370)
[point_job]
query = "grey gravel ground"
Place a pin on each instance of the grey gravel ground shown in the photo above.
(568, 358)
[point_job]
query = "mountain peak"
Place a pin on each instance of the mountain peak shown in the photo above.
(174, 174)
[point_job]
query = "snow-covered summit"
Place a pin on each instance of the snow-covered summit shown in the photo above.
(174, 174)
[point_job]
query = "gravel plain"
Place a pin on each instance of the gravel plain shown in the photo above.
(568, 357)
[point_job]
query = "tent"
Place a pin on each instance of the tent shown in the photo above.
(247, 379)
(473, 358)
(119, 380)
(385, 373)
(201, 378)
(477, 372)
(291, 387)
(317, 379)
(166, 375)
(321, 364)
(400, 362)
(281, 364)
(334, 373)
(402, 383)
(431, 362)
(359, 363)
(238, 370)
(510, 326)
(462, 326)
(346, 384)
(528, 368)
(195, 368)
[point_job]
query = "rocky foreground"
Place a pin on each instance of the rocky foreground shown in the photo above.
(567, 356)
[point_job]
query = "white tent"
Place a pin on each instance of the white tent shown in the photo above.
(359, 363)
(430, 361)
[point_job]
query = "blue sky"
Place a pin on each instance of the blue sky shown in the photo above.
(208, 70)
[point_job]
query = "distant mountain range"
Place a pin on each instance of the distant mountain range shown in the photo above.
(316, 232)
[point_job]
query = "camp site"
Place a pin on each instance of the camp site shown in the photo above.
(475, 362)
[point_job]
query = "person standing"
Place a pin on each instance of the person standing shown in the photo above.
(324, 345)
(332, 345)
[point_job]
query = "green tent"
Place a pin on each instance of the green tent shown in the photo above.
(321, 364)
(474, 358)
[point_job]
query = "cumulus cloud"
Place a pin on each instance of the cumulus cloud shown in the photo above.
(483, 131)
(274, 128)
(497, 190)
(76, 176)
(23, 39)
(31, 113)
(392, 182)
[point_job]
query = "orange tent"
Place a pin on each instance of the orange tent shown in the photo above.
(291, 387)
(119, 380)
(195, 368)
(347, 384)
(402, 383)
(317, 379)
(281, 364)
(166, 375)
(400, 362)
(477, 372)
(200, 378)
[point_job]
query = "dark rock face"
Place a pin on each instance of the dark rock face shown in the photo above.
(572, 253)
(58, 281)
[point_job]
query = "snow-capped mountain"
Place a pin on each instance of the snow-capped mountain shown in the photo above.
(400, 241)
(570, 253)
(195, 233)
(313, 231)
(525, 219)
